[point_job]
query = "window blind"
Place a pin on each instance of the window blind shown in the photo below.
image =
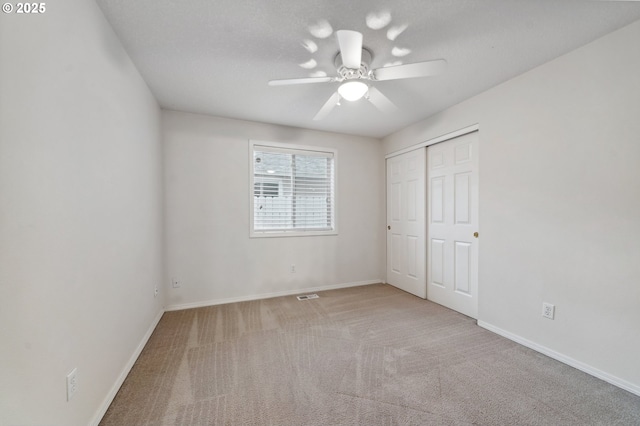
(293, 190)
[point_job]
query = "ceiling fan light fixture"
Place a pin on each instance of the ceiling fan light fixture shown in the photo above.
(352, 90)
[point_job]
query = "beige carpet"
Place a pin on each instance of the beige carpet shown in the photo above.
(370, 355)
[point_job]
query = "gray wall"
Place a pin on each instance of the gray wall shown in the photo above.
(560, 203)
(207, 214)
(80, 213)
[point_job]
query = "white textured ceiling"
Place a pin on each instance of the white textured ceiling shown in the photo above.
(216, 56)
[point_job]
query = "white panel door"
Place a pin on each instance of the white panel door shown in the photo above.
(406, 222)
(452, 265)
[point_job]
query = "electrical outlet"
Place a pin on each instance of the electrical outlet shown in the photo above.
(293, 268)
(72, 383)
(176, 283)
(155, 291)
(548, 310)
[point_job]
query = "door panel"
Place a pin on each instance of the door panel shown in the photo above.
(406, 215)
(396, 253)
(452, 265)
(462, 201)
(396, 196)
(437, 262)
(462, 277)
(437, 200)
(412, 256)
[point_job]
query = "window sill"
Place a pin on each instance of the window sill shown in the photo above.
(280, 234)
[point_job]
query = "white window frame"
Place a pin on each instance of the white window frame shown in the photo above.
(293, 148)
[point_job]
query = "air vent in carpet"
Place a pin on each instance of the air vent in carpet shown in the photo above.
(308, 296)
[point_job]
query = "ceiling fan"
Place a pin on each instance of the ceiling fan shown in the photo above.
(352, 63)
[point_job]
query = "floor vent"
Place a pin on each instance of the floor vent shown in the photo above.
(308, 296)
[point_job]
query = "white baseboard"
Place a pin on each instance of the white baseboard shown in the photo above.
(123, 375)
(616, 381)
(267, 295)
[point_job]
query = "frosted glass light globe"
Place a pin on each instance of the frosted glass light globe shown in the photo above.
(352, 90)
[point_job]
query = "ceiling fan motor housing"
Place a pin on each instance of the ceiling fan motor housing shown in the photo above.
(351, 74)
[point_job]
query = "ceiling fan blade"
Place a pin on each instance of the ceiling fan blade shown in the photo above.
(327, 107)
(380, 101)
(289, 81)
(419, 69)
(350, 43)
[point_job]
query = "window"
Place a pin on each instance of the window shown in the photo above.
(292, 190)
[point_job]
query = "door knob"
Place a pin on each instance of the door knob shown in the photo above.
(475, 234)
(389, 227)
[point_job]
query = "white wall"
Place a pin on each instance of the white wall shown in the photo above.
(207, 214)
(80, 213)
(560, 203)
